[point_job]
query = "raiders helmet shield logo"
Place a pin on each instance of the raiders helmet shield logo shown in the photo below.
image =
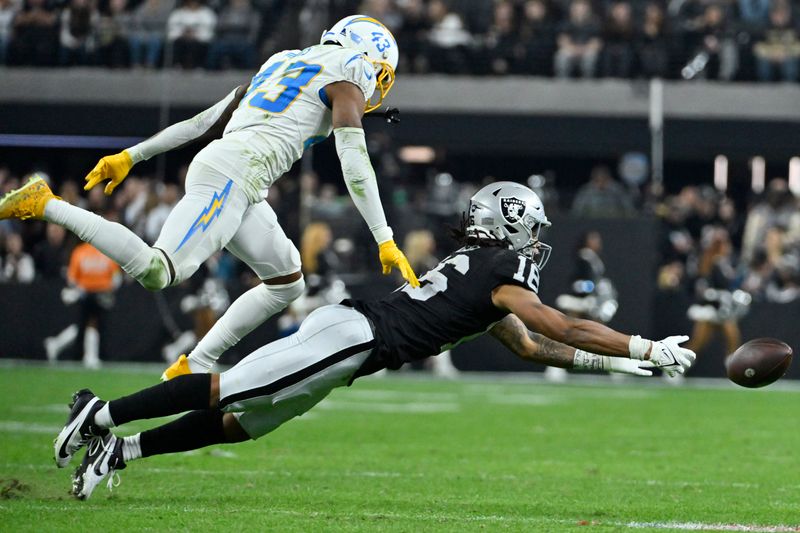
(512, 209)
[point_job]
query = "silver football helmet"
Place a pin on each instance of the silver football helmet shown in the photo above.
(510, 213)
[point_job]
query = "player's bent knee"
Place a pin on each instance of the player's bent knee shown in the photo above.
(156, 277)
(234, 432)
(286, 293)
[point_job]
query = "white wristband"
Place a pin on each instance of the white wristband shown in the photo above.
(638, 347)
(589, 361)
(135, 154)
(383, 234)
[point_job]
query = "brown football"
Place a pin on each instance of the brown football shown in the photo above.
(759, 362)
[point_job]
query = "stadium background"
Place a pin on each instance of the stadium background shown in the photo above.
(681, 117)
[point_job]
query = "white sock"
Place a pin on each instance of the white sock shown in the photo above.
(62, 340)
(114, 240)
(102, 418)
(131, 449)
(246, 313)
(91, 345)
(172, 351)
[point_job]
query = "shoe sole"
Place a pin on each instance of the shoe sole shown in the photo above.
(66, 435)
(12, 196)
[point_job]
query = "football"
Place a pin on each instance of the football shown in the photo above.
(759, 362)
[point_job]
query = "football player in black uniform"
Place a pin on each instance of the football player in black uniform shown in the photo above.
(488, 285)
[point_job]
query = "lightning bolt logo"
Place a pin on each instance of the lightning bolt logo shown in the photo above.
(209, 213)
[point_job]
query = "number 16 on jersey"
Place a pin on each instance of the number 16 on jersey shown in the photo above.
(532, 279)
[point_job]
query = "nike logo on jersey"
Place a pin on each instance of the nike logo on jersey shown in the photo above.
(209, 213)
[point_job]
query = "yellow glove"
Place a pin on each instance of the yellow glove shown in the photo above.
(178, 368)
(391, 257)
(112, 167)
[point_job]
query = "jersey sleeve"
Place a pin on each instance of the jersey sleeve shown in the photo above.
(510, 268)
(356, 69)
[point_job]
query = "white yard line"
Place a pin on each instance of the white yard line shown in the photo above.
(385, 407)
(399, 396)
(14, 426)
(58, 408)
(700, 526)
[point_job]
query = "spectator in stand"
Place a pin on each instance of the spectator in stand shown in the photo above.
(190, 29)
(448, 40)
(76, 36)
(652, 49)
(579, 42)
(602, 197)
(419, 247)
(714, 41)
(16, 265)
(8, 10)
(237, 31)
(167, 198)
(537, 39)
(384, 10)
(779, 50)
(778, 209)
(148, 30)
(51, 255)
(113, 47)
(35, 35)
(784, 285)
(618, 33)
(754, 13)
(501, 41)
(411, 36)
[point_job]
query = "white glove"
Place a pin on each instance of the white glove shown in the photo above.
(665, 354)
(592, 361)
(623, 365)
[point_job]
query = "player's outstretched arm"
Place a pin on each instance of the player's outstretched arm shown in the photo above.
(513, 334)
(348, 104)
(205, 126)
(589, 335)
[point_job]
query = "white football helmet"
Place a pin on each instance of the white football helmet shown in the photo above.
(368, 36)
(510, 213)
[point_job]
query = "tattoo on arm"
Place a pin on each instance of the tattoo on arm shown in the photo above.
(529, 345)
(552, 353)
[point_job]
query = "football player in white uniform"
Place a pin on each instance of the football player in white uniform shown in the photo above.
(295, 100)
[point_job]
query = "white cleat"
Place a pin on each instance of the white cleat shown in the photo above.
(103, 459)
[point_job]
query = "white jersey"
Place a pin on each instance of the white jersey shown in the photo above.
(284, 111)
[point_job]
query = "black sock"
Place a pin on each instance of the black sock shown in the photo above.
(191, 431)
(183, 393)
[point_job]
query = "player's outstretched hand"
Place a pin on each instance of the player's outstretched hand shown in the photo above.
(620, 365)
(113, 168)
(667, 355)
(392, 257)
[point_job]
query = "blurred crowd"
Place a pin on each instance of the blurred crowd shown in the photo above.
(720, 39)
(708, 240)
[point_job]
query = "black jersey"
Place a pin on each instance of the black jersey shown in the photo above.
(452, 304)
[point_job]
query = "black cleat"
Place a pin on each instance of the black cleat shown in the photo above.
(79, 428)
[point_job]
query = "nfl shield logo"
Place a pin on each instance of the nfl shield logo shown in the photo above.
(512, 209)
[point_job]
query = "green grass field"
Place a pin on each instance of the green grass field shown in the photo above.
(401, 454)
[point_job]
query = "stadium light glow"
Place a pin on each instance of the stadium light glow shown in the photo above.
(758, 174)
(721, 173)
(794, 175)
(417, 154)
